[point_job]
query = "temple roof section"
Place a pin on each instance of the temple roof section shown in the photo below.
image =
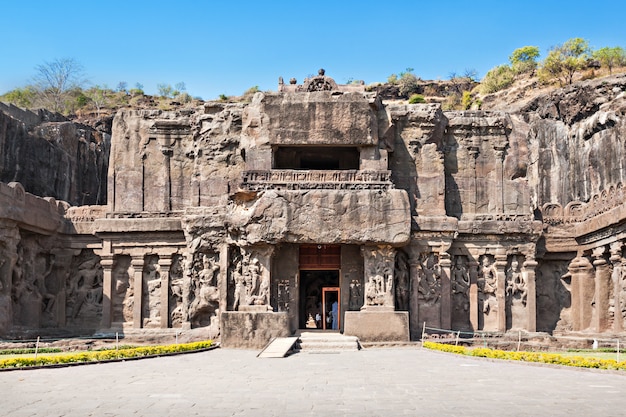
(318, 83)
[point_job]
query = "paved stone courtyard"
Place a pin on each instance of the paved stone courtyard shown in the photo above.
(371, 382)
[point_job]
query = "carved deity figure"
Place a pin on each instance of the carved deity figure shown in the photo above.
(460, 283)
(379, 288)
(151, 291)
(47, 298)
(356, 297)
(204, 292)
(250, 280)
(487, 288)
(402, 282)
(515, 284)
(429, 275)
(176, 291)
(85, 286)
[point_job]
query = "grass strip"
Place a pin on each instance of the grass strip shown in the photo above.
(103, 355)
(551, 358)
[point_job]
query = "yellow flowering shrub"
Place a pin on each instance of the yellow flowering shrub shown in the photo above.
(104, 355)
(551, 358)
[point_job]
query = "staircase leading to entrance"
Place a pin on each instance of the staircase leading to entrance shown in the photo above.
(326, 342)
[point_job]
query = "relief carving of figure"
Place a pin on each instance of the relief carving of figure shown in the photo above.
(176, 291)
(487, 285)
(402, 282)
(516, 289)
(356, 300)
(379, 289)
(85, 287)
(429, 285)
(204, 292)
(460, 283)
(151, 291)
(47, 298)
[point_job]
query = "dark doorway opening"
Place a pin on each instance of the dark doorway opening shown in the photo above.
(319, 299)
(316, 158)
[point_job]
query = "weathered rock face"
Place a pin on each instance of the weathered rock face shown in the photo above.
(318, 196)
(53, 157)
(576, 137)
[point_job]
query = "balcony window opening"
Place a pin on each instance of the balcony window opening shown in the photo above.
(316, 158)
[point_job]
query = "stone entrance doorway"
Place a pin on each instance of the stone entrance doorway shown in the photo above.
(319, 299)
(320, 295)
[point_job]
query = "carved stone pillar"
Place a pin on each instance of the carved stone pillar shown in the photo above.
(107, 290)
(603, 285)
(473, 294)
(499, 196)
(616, 276)
(500, 264)
(446, 291)
(473, 155)
(528, 273)
(222, 277)
(136, 270)
(583, 287)
(415, 274)
(165, 263)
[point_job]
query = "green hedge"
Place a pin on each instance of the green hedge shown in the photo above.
(103, 355)
(552, 358)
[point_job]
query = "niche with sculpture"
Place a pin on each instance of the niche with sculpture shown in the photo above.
(123, 290)
(429, 289)
(379, 285)
(151, 292)
(175, 292)
(516, 294)
(200, 297)
(460, 287)
(248, 281)
(487, 294)
(84, 291)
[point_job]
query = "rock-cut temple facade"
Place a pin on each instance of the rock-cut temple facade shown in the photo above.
(322, 206)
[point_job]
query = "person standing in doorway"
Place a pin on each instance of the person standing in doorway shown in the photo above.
(335, 310)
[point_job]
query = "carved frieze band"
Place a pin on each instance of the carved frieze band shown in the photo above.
(577, 211)
(310, 180)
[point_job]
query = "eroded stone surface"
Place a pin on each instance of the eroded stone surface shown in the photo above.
(321, 199)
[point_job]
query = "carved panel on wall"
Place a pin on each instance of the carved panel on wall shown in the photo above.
(487, 289)
(429, 289)
(84, 290)
(402, 281)
(554, 298)
(379, 288)
(123, 289)
(460, 285)
(177, 284)
(516, 292)
(203, 291)
(356, 295)
(151, 292)
(283, 296)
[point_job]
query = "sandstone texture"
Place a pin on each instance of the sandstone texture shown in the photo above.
(318, 206)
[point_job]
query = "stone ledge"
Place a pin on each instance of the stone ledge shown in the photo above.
(379, 326)
(252, 330)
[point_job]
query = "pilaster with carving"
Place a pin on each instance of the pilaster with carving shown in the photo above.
(602, 289)
(617, 277)
(136, 271)
(583, 287)
(528, 272)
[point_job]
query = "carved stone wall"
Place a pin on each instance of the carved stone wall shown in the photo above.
(466, 220)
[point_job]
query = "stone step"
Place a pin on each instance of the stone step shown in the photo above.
(326, 341)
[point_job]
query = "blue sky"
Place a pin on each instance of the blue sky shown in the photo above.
(225, 47)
